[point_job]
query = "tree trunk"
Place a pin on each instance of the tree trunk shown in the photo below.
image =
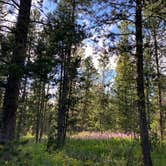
(158, 85)
(22, 109)
(65, 85)
(43, 111)
(63, 100)
(8, 123)
(38, 113)
(140, 87)
(148, 101)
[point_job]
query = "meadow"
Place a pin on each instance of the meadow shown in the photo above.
(81, 152)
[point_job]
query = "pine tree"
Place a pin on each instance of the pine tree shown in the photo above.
(67, 34)
(140, 87)
(8, 124)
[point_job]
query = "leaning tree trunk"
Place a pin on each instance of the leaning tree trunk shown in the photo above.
(145, 145)
(8, 122)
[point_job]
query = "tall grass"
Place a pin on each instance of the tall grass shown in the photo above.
(79, 152)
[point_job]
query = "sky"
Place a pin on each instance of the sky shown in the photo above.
(49, 6)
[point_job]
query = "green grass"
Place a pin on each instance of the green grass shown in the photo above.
(103, 152)
(113, 152)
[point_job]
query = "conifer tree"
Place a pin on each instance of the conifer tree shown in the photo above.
(8, 122)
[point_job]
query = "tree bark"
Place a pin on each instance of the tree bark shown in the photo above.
(63, 102)
(22, 110)
(148, 101)
(38, 111)
(43, 111)
(158, 85)
(64, 91)
(145, 145)
(8, 123)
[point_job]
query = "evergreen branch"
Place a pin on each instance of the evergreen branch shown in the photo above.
(15, 5)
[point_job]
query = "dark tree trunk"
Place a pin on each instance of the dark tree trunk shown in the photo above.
(22, 110)
(140, 87)
(148, 101)
(158, 85)
(64, 92)
(63, 103)
(8, 123)
(38, 111)
(37, 123)
(43, 110)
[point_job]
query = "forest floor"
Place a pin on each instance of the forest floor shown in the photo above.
(83, 152)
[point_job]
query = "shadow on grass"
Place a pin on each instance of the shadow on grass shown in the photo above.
(78, 152)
